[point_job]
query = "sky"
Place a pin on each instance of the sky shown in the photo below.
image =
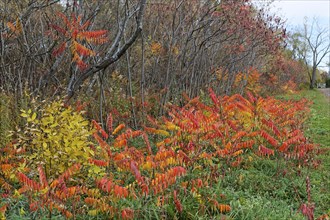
(294, 11)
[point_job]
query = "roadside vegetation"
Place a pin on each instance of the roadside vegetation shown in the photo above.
(318, 129)
(253, 161)
(159, 110)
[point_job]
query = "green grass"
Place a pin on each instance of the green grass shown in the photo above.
(264, 190)
(270, 189)
(318, 130)
(318, 126)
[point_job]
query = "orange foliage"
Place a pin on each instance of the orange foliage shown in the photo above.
(264, 126)
(156, 48)
(50, 195)
(118, 128)
(74, 31)
(192, 138)
(15, 28)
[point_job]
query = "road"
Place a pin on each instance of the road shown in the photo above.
(326, 92)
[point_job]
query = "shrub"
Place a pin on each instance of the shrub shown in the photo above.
(5, 122)
(327, 82)
(177, 165)
(56, 138)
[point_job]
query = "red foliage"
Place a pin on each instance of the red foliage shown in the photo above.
(265, 151)
(127, 213)
(28, 182)
(177, 202)
(54, 195)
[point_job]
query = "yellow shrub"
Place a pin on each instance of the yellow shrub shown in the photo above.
(56, 137)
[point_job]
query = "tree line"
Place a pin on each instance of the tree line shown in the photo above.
(144, 51)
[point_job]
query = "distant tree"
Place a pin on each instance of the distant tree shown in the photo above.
(311, 45)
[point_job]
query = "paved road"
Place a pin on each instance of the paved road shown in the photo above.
(326, 92)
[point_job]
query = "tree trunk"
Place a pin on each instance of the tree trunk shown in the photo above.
(313, 80)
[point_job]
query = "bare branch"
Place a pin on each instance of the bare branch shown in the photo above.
(113, 55)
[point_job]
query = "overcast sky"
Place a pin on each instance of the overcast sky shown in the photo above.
(294, 11)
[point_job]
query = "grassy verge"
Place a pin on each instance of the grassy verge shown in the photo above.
(318, 130)
(270, 189)
(318, 127)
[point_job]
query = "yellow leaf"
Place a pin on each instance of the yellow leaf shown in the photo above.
(24, 115)
(47, 130)
(171, 126)
(93, 212)
(34, 115)
(237, 153)
(12, 176)
(44, 191)
(47, 153)
(162, 132)
(147, 165)
(21, 211)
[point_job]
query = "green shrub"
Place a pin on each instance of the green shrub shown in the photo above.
(327, 82)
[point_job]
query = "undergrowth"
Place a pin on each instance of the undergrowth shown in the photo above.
(231, 158)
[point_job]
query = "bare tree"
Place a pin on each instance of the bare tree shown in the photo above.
(184, 46)
(312, 44)
(119, 46)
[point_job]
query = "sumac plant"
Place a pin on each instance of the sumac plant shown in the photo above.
(73, 33)
(193, 138)
(134, 171)
(50, 195)
(230, 126)
(168, 166)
